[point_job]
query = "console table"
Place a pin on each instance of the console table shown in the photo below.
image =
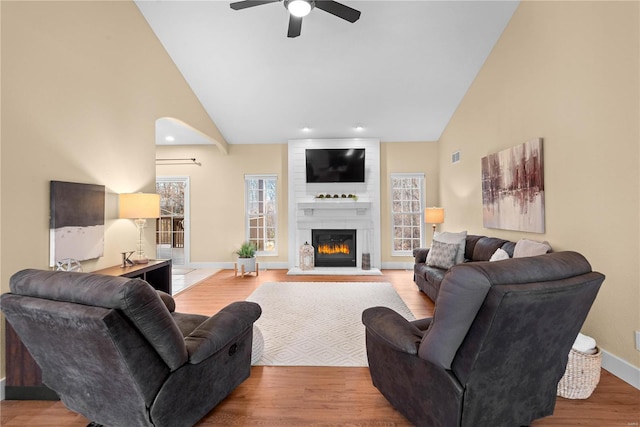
(23, 375)
(157, 273)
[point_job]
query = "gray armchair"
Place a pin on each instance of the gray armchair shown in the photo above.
(115, 351)
(495, 349)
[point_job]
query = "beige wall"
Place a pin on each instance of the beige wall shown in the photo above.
(82, 86)
(406, 157)
(567, 72)
(217, 195)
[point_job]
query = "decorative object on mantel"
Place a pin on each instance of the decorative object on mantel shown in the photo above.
(246, 259)
(139, 207)
(76, 224)
(434, 216)
(327, 196)
(513, 188)
(306, 257)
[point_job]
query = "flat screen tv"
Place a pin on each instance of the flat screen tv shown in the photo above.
(335, 164)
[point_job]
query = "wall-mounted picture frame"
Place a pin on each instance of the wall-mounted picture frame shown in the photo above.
(76, 224)
(513, 188)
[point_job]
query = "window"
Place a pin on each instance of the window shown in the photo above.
(406, 213)
(261, 201)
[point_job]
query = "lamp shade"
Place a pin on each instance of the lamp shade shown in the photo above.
(139, 205)
(434, 215)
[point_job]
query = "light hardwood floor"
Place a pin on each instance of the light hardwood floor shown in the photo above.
(323, 396)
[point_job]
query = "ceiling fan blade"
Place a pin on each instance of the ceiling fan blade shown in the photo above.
(295, 26)
(250, 3)
(338, 9)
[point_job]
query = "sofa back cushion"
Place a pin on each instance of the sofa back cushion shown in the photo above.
(485, 247)
(139, 302)
(470, 245)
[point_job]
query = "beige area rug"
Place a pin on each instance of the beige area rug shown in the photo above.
(319, 323)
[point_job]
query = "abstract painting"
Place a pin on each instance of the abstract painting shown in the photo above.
(76, 222)
(513, 188)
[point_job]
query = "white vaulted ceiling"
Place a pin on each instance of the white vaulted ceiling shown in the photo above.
(400, 71)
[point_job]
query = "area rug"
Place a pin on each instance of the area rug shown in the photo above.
(319, 323)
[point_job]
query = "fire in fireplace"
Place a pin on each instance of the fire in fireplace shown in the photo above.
(334, 248)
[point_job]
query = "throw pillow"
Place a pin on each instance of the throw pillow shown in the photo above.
(499, 255)
(442, 255)
(525, 248)
(458, 238)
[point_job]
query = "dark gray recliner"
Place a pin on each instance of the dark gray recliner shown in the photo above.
(495, 349)
(115, 351)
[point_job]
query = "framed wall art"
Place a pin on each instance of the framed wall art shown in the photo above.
(513, 188)
(76, 223)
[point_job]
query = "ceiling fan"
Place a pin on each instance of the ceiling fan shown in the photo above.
(301, 8)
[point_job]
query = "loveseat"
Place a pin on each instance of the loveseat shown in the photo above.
(428, 276)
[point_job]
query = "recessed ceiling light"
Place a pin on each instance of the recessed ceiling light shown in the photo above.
(169, 138)
(306, 129)
(359, 128)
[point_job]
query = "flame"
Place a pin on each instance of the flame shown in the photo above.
(334, 248)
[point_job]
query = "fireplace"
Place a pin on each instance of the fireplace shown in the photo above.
(334, 248)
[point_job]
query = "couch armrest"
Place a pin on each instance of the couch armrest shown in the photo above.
(219, 330)
(392, 328)
(420, 254)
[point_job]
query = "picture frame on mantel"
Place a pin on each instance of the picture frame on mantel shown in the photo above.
(76, 224)
(513, 188)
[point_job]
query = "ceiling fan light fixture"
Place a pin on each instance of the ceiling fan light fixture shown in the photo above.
(299, 8)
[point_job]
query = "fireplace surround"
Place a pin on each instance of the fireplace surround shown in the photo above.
(308, 212)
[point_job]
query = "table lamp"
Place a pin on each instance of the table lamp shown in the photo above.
(139, 207)
(434, 216)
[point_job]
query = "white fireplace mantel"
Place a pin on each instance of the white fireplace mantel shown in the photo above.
(360, 207)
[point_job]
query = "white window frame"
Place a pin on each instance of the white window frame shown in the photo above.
(420, 213)
(248, 215)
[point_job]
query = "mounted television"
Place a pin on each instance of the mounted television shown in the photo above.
(335, 164)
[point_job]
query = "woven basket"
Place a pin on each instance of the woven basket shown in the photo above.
(582, 375)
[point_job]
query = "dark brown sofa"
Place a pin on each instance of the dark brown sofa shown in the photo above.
(477, 248)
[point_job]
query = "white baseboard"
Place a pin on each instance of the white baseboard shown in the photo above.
(398, 266)
(229, 265)
(621, 369)
(285, 266)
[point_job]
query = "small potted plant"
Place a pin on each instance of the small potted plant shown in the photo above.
(247, 257)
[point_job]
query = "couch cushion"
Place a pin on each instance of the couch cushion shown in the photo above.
(470, 245)
(453, 238)
(499, 255)
(508, 248)
(525, 248)
(485, 247)
(442, 255)
(434, 275)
